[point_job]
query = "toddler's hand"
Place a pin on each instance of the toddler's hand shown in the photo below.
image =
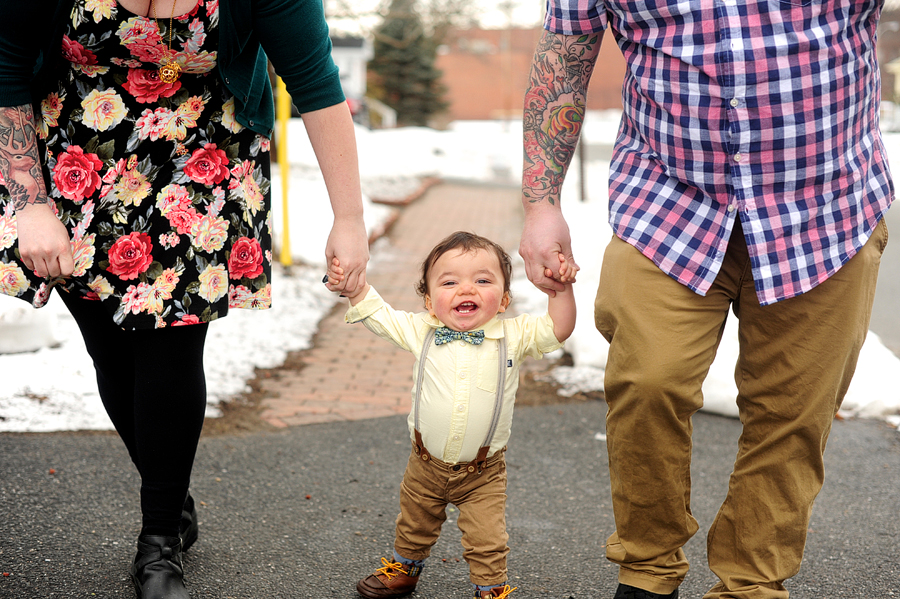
(335, 277)
(566, 273)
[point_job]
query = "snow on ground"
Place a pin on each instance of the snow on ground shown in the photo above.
(53, 388)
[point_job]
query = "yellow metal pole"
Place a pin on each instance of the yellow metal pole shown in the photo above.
(283, 113)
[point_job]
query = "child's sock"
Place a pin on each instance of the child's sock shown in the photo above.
(414, 565)
(488, 587)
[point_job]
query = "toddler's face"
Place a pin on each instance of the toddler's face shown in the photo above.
(465, 289)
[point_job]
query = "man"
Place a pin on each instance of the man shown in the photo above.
(748, 174)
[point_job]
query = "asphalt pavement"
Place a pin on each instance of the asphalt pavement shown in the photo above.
(306, 511)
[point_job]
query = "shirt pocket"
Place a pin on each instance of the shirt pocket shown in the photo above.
(487, 369)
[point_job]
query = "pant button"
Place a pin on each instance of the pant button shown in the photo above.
(457, 467)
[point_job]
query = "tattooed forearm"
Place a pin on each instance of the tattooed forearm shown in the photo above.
(19, 159)
(554, 110)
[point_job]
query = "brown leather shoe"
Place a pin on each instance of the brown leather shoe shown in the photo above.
(495, 593)
(391, 580)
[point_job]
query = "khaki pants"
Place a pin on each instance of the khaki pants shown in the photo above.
(427, 488)
(796, 361)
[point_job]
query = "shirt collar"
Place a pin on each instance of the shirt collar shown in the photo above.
(493, 329)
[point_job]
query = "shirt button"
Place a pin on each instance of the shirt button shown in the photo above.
(731, 208)
(461, 343)
(460, 408)
(456, 437)
(462, 375)
(734, 102)
(737, 157)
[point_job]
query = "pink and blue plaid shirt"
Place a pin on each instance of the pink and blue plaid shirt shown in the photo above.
(766, 109)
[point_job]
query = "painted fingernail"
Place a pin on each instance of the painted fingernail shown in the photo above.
(325, 279)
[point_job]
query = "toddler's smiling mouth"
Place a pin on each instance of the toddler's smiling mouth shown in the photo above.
(466, 307)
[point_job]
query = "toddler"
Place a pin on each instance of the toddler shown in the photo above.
(465, 379)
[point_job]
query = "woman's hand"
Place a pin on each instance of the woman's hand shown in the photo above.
(44, 242)
(348, 250)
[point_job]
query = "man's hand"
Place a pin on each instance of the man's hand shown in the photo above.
(546, 247)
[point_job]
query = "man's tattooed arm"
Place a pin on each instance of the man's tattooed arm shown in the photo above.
(554, 110)
(554, 113)
(19, 159)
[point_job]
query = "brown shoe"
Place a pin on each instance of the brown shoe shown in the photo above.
(391, 580)
(495, 593)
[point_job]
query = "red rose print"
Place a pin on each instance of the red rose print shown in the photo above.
(146, 86)
(246, 259)
(183, 219)
(76, 53)
(75, 173)
(186, 320)
(130, 255)
(148, 52)
(207, 165)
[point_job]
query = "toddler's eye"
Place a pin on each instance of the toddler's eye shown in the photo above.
(448, 283)
(483, 281)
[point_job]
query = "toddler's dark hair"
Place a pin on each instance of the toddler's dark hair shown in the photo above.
(467, 242)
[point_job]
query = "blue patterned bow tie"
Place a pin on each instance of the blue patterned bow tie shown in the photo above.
(444, 335)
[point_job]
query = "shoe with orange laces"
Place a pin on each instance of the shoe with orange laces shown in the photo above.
(391, 580)
(501, 592)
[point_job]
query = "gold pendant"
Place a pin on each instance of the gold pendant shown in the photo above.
(169, 72)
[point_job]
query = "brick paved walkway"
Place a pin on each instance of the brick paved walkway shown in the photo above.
(352, 374)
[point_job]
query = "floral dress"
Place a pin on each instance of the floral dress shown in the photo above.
(164, 194)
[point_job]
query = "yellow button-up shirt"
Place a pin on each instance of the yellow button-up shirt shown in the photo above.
(460, 379)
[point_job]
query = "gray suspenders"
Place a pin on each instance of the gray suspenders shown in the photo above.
(478, 463)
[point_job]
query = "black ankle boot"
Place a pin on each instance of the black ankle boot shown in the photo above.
(189, 529)
(628, 592)
(156, 571)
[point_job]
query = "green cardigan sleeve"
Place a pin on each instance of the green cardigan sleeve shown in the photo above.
(19, 48)
(294, 35)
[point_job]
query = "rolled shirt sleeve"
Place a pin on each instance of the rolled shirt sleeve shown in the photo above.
(575, 17)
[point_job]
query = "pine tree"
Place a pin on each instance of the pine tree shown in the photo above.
(403, 66)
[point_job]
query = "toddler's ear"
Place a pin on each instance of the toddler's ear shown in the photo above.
(428, 305)
(504, 303)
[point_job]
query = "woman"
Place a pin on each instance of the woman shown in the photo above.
(134, 142)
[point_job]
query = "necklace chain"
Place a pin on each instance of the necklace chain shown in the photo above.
(169, 71)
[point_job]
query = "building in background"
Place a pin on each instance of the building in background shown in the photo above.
(486, 73)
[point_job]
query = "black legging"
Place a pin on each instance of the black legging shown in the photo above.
(153, 387)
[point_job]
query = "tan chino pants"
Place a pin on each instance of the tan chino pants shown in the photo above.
(427, 488)
(796, 361)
